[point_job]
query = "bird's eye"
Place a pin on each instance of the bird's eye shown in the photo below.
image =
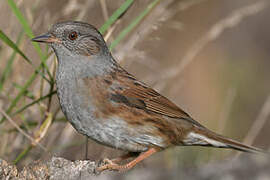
(73, 35)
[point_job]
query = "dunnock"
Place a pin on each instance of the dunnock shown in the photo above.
(107, 104)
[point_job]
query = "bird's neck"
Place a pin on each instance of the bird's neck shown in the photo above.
(85, 66)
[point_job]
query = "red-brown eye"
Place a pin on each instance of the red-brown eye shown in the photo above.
(73, 35)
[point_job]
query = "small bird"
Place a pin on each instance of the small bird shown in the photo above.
(107, 104)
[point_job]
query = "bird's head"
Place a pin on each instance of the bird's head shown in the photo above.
(74, 38)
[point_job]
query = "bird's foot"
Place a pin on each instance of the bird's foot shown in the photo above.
(111, 165)
(107, 164)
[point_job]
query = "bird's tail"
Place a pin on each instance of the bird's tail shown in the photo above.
(204, 137)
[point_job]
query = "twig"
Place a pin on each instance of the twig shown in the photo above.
(34, 142)
(110, 31)
(214, 32)
(83, 9)
(258, 124)
(104, 9)
(226, 111)
(159, 14)
(53, 69)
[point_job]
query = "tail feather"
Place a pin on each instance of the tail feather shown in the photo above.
(204, 137)
(242, 147)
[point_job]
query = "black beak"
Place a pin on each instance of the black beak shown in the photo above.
(46, 38)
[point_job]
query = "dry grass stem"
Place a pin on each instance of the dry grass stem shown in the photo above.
(236, 17)
(150, 38)
(104, 9)
(258, 124)
(226, 111)
(33, 141)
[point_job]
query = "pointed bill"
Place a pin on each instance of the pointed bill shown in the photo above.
(46, 38)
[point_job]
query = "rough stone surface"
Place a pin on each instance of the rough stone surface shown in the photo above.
(58, 168)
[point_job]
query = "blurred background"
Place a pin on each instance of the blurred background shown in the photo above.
(211, 57)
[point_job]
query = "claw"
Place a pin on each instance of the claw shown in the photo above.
(108, 165)
(107, 161)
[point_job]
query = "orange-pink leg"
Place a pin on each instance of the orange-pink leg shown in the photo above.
(113, 166)
(121, 158)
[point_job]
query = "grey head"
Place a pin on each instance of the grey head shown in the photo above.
(78, 44)
(74, 38)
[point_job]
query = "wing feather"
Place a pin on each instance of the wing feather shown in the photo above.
(135, 91)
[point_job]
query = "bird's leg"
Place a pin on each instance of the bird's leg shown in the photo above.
(113, 166)
(86, 147)
(121, 158)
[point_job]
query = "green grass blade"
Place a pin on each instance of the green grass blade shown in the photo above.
(22, 92)
(18, 14)
(11, 44)
(22, 154)
(34, 102)
(133, 24)
(16, 50)
(29, 33)
(28, 94)
(10, 61)
(27, 125)
(123, 8)
(21, 19)
(117, 40)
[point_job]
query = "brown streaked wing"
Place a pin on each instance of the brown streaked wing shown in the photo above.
(135, 91)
